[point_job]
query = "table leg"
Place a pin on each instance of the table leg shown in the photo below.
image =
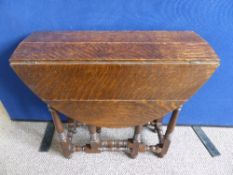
(136, 141)
(98, 130)
(158, 128)
(94, 140)
(168, 134)
(72, 128)
(64, 141)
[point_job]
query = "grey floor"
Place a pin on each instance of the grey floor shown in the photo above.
(20, 141)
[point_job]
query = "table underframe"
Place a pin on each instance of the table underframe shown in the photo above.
(132, 146)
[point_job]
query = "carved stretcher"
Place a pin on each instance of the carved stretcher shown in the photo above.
(114, 79)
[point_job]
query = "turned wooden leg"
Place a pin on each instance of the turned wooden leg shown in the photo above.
(168, 134)
(72, 128)
(134, 146)
(158, 128)
(98, 130)
(64, 141)
(94, 140)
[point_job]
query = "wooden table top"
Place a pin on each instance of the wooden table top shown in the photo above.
(114, 79)
(114, 46)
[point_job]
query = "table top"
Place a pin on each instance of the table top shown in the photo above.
(114, 79)
(114, 46)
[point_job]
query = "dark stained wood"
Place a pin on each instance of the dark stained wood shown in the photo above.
(170, 128)
(64, 142)
(115, 113)
(114, 79)
(108, 46)
(107, 51)
(115, 36)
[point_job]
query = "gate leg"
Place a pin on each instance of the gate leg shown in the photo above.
(72, 129)
(158, 127)
(135, 142)
(64, 141)
(168, 134)
(94, 140)
(98, 130)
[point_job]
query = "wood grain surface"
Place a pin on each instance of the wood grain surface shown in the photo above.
(114, 113)
(114, 79)
(108, 46)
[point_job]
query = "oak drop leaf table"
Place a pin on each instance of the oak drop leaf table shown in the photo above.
(114, 79)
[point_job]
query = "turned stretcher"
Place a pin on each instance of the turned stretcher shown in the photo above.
(114, 79)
